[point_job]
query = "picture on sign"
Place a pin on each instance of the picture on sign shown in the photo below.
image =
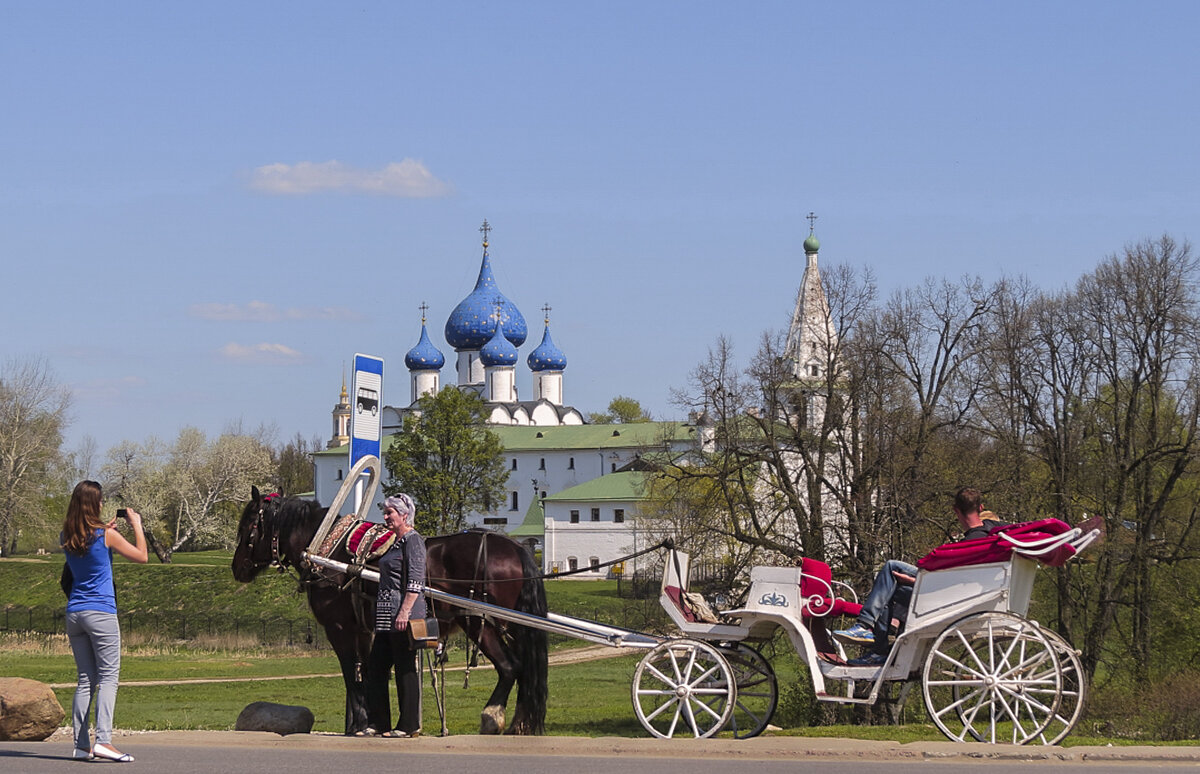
(368, 401)
(367, 387)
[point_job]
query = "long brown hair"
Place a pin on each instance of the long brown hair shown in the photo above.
(83, 517)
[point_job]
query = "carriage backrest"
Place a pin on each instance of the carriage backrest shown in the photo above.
(683, 606)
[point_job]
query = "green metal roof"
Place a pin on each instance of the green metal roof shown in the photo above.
(630, 485)
(639, 434)
(534, 524)
(519, 438)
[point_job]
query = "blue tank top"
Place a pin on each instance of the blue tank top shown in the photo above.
(92, 588)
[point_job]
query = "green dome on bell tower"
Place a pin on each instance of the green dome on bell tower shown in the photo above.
(812, 244)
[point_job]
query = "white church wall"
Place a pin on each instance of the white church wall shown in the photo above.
(602, 540)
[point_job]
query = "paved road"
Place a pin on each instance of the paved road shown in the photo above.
(216, 752)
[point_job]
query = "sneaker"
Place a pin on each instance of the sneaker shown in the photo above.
(856, 633)
(871, 659)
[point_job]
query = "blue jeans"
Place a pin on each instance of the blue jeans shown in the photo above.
(96, 642)
(875, 613)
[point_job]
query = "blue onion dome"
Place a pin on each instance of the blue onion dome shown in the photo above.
(499, 351)
(424, 356)
(472, 323)
(547, 357)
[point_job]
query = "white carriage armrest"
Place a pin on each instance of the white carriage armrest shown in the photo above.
(1087, 539)
(1041, 546)
(849, 589)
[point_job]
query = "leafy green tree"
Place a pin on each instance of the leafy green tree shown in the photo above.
(621, 411)
(447, 460)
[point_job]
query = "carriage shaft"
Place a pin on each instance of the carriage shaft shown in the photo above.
(576, 628)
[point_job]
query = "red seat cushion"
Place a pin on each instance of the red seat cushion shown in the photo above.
(676, 595)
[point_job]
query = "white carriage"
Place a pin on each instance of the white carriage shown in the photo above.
(987, 672)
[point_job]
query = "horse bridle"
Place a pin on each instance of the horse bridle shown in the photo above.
(256, 530)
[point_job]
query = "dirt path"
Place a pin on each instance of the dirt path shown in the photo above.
(570, 656)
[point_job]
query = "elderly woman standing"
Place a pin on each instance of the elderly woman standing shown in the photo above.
(401, 598)
(92, 625)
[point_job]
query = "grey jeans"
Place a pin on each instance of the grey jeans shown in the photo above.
(96, 642)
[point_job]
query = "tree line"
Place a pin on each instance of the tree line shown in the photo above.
(189, 491)
(1068, 403)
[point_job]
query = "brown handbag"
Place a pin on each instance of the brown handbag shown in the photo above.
(423, 632)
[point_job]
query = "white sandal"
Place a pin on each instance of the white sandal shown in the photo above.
(108, 753)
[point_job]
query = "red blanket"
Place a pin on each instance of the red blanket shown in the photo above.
(994, 548)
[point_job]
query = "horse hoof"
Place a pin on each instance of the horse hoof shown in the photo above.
(491, 720)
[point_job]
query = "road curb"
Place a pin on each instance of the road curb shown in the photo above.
(759, 748)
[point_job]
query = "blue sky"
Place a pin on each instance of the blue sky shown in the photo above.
(206, 209)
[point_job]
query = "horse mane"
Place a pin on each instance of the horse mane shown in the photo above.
(294, 516)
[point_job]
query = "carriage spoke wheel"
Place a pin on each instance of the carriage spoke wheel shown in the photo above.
(757, 691)
(993, 677)
(684, 687)
(1074, 691)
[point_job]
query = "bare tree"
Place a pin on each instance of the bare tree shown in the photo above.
(203, 478)
(1142, 313)
(134, 475)
(33, 414)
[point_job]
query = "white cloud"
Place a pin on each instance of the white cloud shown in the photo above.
(408, 178)
(263, 311)
(278, 354)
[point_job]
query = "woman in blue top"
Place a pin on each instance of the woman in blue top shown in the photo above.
(401, 598)
(92, 625)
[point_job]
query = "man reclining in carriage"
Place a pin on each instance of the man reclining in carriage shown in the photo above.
(892, 589)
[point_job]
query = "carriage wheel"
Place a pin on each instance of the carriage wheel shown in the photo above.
(994, 677)
(757, 692)
(1074, 691)
(684, 687)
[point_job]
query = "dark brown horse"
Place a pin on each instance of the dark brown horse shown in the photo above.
(475, 564)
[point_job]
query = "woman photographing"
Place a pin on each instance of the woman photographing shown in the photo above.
(92, 625)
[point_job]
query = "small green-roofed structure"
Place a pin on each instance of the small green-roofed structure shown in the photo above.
(629, 485)
(534, 524)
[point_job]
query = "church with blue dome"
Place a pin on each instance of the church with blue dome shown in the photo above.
(486, 330)
(575, 489)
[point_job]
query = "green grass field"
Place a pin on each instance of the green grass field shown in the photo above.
(589, 699)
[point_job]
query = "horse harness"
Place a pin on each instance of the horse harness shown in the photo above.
(276, 559)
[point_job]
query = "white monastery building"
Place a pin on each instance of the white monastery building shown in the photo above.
(573, 488)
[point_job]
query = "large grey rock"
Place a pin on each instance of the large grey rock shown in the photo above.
(281, 719)
(29, 712)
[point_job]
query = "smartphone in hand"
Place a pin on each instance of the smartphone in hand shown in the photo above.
(123, 513)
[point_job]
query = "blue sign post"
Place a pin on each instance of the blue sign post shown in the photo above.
(366, 414)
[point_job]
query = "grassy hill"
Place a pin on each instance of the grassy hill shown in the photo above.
(197, 593)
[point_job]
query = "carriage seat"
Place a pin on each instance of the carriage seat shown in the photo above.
(817, 594)
(1050, 541)
(366, 541)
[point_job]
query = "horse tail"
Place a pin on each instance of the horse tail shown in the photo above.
(531, 646)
